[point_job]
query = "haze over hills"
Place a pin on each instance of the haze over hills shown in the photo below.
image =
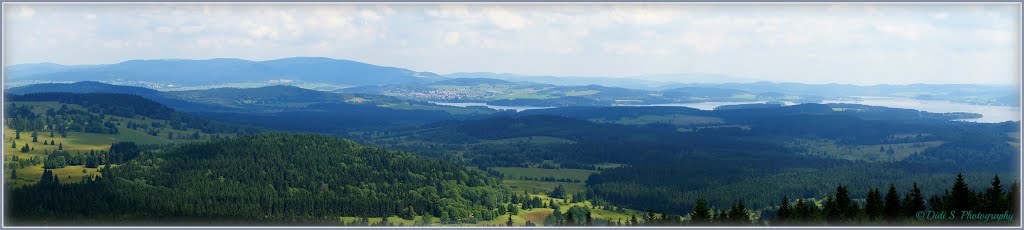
(328, 74)
(224, 70)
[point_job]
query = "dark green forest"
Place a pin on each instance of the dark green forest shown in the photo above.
(274, 178)
(808, 164)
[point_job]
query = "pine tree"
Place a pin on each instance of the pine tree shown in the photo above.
(1013, 196)
(700, 212)
(509, 222)
(25, 149)
(993, 197)
(590, 219)
(892, 205)
(802, 212)
(17, 134)
(784, 213)
(916, 202)
(873, 206)
(35, 137)
(558, 192)
(633, 221)
(14, 174)
(738, 214)
(51, 133)
(60, 146)
(960, 195)
(14, 144)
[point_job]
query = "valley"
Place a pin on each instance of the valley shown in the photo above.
(470, 165)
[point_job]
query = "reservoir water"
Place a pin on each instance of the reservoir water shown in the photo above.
(990, 113)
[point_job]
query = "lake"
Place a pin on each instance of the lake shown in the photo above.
(709, 105)
(989, 113)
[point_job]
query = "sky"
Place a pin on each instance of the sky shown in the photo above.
(862, 44)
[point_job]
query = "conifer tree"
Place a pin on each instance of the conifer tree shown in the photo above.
(993, 197)
(700, 212)
(784, 213)
(960, 195)
(893, 206)
(873, 206)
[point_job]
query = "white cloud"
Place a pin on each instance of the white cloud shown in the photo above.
(26, 12)
(452, 38)
(709, 43)
(504, 19)
(552, 39)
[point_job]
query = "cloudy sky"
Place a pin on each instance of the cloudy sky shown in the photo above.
(812, 43)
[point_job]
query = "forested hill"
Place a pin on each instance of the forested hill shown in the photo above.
(122, 105)
(114, 104)
(97, 87)
(270, 177)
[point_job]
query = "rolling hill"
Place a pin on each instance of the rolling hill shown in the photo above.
(224, 70)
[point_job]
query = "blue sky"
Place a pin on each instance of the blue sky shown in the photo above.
(811, 43)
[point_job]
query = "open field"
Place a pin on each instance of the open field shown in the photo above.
(830, 148)
(78, 142)
(530, 140)
(518, 172)
(514, 175)
(670, 119)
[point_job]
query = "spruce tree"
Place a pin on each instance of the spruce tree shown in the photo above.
(993, 197)
(892, 205)
(960, 195)
(873, 206)
(738, 214)
(1013, 196)
(700, 212)
(916, 203)
(802, 212)
(17, 134)
(590, 219)
(14, 144)
(570, 220)
(784, 213)
(14, 174)
(509, 222)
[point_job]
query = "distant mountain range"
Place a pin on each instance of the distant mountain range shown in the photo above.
(224, 70)
(328, 74)
(647, 82)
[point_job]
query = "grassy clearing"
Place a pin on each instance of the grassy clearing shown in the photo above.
(518, 172)
(532, 186)
(674, 119)
(530, 140)
(513, 179)
(830, 148)
(744, 127)
(79, 142)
